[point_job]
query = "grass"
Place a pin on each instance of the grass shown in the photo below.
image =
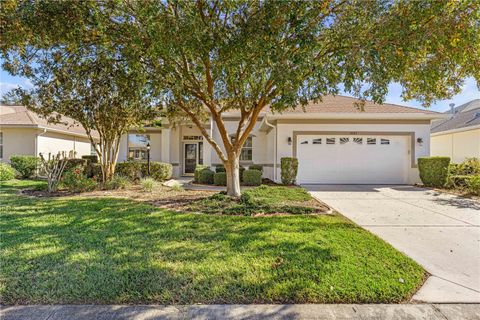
(113, 250)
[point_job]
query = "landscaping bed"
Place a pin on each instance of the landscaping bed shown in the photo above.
(113, 250)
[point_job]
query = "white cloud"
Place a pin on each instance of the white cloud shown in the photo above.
(6, 86)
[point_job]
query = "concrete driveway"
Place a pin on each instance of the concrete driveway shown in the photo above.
(439, 231)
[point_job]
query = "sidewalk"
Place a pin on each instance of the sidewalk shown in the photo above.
(221, 312)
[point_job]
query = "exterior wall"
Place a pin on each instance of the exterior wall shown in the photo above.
(155, 146)
(285, 130)
(18, 141)
(458, 146)
(51, 142)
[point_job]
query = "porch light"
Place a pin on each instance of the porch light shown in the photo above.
(420, 141)
(289, 140)
(148, 158)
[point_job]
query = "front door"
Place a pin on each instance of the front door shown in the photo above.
(190, 155)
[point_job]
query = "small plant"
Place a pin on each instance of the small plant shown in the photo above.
(117, 182)
(289, 169)
(220, 179)
(158, 170)
(434, 171)
(198, 169)
(148, 184)
(26, 166)
(6, 172)
(206, 176)
(75, 180)
(53, 167)
(473, 185)
(252, 177)
(177, 187)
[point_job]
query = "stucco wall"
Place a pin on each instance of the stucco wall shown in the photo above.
(51, 142)
(458, 146)
(18, 141)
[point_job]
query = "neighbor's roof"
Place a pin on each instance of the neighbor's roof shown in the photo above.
(20, 116)
(344, 104)
(464, 116)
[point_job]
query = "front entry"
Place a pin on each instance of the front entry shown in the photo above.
(190, 157)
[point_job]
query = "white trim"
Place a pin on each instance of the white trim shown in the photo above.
(441, 133)
(340, 115)
(66, 132)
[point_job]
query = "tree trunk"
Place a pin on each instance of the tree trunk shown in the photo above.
(232, 168)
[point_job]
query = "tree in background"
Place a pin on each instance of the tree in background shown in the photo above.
(205, 58)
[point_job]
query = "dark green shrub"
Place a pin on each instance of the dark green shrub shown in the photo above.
(206, 176)
(158, 170)
(90, 158)
(198, 169)
(75, 180)
(130, 169)
(26, 166)
(240, 172)
(433, 171)
(72, 163)
(252, 177)
(256, 167)
(289, 169)
(6, 172)
(220, 179)
(473, 184)
(93, 170)
(220, 168)
(470, 166)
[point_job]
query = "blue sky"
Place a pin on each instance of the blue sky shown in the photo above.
(469, 92)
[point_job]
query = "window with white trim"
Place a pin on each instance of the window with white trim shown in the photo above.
(358, 140)
(330, 140)
(384, 141)
(344, 140)
(371, 141)
(137, 146)
(317, 141)
(246, 154)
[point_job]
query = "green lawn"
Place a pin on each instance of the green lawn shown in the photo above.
(111, 250)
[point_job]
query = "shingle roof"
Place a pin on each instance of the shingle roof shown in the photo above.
(343, 104)
(464, 116)
(21, 116)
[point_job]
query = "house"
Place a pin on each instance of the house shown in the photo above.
(334, 141)
(458, 136)
(23, 132)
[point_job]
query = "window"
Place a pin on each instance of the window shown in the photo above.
(330, 140)
(358, 140)
(371, 141)
(137, 146)
(1, 145)
(304, 142)
(192, 137)
(317, 141)
(344, 140)
(246, 153)
(384, 141)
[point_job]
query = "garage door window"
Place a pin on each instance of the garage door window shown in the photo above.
(371, 141)
(304, 142)
(330, 140)
(384, 141)
(344, 140)
(317, 141)
(358, 140)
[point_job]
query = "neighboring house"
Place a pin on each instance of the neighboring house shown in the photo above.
(333, 140)
(458, 136)
(23, 132)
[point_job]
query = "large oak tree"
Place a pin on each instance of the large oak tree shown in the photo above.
(212, 57)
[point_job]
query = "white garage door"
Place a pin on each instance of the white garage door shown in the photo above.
(343, 159)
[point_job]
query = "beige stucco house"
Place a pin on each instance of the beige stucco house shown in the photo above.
(334, 141)
(458, 136)
(23, 132)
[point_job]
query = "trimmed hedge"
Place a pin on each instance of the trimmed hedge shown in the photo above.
(252, 177)
(93, 170)
(220, 179)
(25, 165)
(135, 170)
(196, 173)
(241, 170)
(289, 169)
(256, 167)
(90, 159)
(206, 176)
(130, 169)
(473, 184)
(434, 171)
(73, 163)
(6, 172)
(220, 168)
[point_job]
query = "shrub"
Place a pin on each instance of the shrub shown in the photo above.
(434, 171)
(220, 168)
(76, 181)
(473, 184)
(130, 169)
(90, 158)
(457, 181)
(25, 165)
(6, 172)
(470, 166)
(289, 169)
(148, 184)
(220, 179)
(158, 170)
(198, 169)
(241, 170)
(206, 176)
(256, 167)
(117, 182)
(73, 163)
(93, 170)
(252, 178)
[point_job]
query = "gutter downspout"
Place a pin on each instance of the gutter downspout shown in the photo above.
(274, 148)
